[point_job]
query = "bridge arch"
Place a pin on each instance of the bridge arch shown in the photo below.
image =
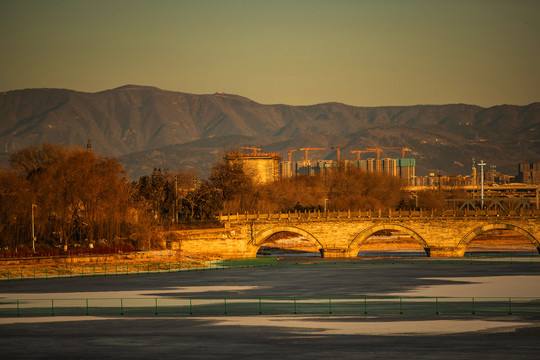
(361, 238)
(259, 238)
(468, 238)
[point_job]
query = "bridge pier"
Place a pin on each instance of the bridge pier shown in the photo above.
(440, 251)
(336, 253)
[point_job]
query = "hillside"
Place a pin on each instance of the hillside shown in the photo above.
(148, 127)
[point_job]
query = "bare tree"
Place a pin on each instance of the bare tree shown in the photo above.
(79, 196)
(15, 208)
(237, 188)
(33, 159)
(356, 189)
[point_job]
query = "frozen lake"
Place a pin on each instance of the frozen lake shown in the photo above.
(286, 335)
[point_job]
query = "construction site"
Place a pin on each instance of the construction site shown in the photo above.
(268, 167)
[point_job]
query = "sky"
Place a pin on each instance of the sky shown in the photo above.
(297, 52)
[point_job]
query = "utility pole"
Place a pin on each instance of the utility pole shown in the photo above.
(537, 197)
(482, 164)
(474, 189)
(33, 235)
(176, 199)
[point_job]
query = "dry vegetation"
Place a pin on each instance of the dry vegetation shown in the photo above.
(79, 199)
(76, 198)
(343, 188)
(141, 262)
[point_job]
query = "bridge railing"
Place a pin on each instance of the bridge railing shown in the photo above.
(503, 204)
(388, 213)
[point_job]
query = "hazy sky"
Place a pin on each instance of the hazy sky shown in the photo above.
(359, 52)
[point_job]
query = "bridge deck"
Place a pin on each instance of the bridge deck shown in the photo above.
(380, 214)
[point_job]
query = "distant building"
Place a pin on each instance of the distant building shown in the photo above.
(287, 169)
(349, 164)
(262, 167)
(325, 165)
(402, 168)
(372, 165)
(389, 166)
(407, 169)
(306, 168)
(529, 173)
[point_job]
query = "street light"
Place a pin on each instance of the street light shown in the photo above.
(176, 199)
(538, 197)
(33, 236)
(482, 164)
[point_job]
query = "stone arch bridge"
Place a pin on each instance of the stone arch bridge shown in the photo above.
(441, 234)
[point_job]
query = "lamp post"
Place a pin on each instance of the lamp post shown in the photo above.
(482, 164)
(538, 197)
(33, 236)
(176, 199)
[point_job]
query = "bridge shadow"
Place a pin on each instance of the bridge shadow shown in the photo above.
(344, 278)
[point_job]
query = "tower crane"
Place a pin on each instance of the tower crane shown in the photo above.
(290, 154)
(255, 150)
(308, 149)
(403, 149)
(376, 150)
(358, 152)
(338, 150)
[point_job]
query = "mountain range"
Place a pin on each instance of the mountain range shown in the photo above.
(146, 128)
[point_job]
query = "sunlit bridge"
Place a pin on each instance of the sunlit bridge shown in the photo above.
(287, 243)
(391, 243)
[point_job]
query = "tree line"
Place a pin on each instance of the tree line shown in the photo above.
(71, 197)
(64, 196)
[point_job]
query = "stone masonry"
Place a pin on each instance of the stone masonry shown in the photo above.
(342, 234)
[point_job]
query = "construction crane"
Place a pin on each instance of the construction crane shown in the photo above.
(290, 154)
(378, 151)
(403, 149)
(308, 149)
(255, 150)
(358, 152)
(338, 150)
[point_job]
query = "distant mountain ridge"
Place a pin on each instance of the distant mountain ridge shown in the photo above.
(148, 127)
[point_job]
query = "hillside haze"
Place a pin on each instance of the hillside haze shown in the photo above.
(148, 128)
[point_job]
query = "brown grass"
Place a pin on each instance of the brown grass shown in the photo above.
(116, 264)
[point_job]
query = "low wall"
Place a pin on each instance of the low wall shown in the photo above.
(91, 259)
(214, 243)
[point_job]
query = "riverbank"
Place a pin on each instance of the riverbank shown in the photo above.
(154, 260)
